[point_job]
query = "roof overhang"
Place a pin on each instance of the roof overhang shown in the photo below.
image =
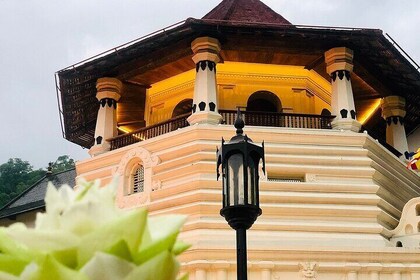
(379, 68)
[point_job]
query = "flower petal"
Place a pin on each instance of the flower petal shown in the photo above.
(107, 267)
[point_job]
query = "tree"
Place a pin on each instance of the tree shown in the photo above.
(16, 175)
(62, 163)
(14, 172)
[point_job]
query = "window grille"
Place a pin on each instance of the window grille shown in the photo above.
(138, 180)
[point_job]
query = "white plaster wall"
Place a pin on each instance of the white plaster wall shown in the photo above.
(353, 192)
(414, 140)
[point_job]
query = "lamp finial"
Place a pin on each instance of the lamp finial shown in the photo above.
(239, 122)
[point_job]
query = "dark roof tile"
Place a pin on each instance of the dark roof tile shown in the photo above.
(253, 11)
(34, 195)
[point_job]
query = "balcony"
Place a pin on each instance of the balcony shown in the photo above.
(250, 118)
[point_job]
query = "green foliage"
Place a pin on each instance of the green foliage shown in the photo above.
(16, 175)
(62, 163)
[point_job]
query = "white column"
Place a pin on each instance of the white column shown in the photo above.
(396, 275)
(222, 274)
(108, 93)
(266, 270)
(222, 270)
(393, 111)
(339, 66)
(415, 275)
(352, 275)
(374, 275)
(200, 274)
(206, 56)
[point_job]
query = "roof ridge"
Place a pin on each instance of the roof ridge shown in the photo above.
(254, 11)
(33, 186)
(23, 192)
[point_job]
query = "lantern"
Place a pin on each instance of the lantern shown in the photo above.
(238, 162)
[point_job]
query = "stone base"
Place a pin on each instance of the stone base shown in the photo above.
(346, 124)
(99, 149)
(205, 118)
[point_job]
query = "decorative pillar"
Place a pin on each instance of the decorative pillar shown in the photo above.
(339, 66)
(374, 275)
(108, 93)
(393, 111)
(396, 275)
(352, 275)
(415, 275)
(353, 271)
(266, 270)
(221, 269)
(206, 56)
(200, 274)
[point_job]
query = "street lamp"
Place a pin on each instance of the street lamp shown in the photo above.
(239, 160)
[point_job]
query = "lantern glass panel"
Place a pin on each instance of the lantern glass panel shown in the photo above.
(236, 180)
(252, 181)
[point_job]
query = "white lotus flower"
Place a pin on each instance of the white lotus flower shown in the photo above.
(84, 235)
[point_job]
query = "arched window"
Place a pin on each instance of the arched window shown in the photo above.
(418, 210)
(137, 179)
(399, 244)
(263, 101)
(183, 107)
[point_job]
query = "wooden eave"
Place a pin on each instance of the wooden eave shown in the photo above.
(380, 69)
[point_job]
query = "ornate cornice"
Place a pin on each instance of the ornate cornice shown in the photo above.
(313, 87)
(320, 92)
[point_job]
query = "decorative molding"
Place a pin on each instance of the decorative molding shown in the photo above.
(173, 91)
(322, 93)
(204, 64)
(310, 177)
(147, 159)
(156, 185)
(308, 270)
(340, 74)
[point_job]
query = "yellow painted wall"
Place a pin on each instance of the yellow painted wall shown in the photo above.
(299, 90)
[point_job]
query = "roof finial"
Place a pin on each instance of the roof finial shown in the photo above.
(239, 122)
(49, 169)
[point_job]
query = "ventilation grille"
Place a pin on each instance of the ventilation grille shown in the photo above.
(289, 180)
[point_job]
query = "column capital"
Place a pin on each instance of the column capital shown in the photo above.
(206, 48)
(108, 88)
(339, 59)
(393, 106)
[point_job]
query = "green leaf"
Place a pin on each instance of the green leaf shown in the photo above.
(162, 267)
(10, 247)
(184, 277)
(12, 265)
(121, 250)
(50, 268)
(180, 247)
(67, 257)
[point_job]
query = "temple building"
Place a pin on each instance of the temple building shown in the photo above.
(337, 109)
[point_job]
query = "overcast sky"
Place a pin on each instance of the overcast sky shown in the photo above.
(41, 37)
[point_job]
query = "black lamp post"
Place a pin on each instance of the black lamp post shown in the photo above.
(239, 160)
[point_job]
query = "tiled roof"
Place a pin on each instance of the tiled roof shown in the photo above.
(33, 197)
(253, 11)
